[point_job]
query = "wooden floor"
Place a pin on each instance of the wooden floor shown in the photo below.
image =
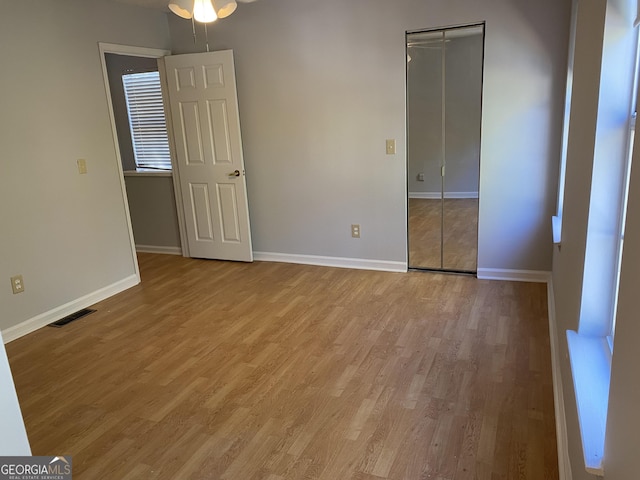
(460, 233)
(220, 370)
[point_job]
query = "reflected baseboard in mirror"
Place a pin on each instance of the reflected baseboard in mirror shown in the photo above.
(460, 251)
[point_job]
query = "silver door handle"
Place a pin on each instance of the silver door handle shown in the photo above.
(235, 173)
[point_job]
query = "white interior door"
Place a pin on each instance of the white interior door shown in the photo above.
(206, 129)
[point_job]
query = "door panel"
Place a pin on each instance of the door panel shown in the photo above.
(425, 109)
(229, 221)
(463, 119)
(201, 211)
(214, 75)
(210, 166)
(190, 130)
(185, 79)
(220, 136)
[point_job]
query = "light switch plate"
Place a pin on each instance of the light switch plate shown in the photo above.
(391, 147)
(82, 166)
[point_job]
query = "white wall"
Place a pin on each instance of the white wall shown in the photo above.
(598, 125)
(623, 421)
(13, 435)
(611, 147)
(65, 233)
(321, 86)
(568, 261)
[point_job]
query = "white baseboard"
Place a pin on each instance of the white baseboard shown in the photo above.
(535, 276)
(159, 249)
(564, 465)
(340, 262)
(437, 195)
(62, 311)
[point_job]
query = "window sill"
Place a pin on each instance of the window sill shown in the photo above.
(591, 370)
(147, 172)
(556, 228)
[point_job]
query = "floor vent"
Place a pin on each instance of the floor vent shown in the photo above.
(70, 318)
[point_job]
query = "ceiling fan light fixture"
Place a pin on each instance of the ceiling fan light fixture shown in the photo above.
(224, 8)
(204, 12)
(182, 8)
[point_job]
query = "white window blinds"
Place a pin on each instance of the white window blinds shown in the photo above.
(146, 120)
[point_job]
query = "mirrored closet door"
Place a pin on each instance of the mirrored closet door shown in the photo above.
(444, 100)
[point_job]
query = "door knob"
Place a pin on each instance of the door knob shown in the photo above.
(235, 173)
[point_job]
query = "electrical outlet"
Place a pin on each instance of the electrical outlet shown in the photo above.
(82, 166)
(17, 284)
(355, 231)
(421, 177)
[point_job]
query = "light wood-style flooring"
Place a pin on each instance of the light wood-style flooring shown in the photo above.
(221, 370)
(460, 233)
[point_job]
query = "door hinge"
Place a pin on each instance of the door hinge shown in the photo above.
(442, 171)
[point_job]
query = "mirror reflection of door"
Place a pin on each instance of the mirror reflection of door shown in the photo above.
(444, 99)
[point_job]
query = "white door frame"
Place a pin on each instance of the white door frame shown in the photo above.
(149, 53)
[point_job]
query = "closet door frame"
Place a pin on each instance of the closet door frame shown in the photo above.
(444, 31)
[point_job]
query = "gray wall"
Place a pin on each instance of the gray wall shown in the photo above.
(597, 128)
(463, 87)
(319, 93)
(118, 65)
(152, 207)
(315, 110)
(424, 119)
(65, 233)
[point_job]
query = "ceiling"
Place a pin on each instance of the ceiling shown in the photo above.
(156, 4)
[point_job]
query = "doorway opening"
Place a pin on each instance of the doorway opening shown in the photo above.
(148, 193)
(204, 200)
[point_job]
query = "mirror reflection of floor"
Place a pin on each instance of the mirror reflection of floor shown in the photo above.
(460, 233)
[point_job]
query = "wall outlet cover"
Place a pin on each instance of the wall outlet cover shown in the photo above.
(17, 284)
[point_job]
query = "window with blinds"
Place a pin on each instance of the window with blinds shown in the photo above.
(146, 120)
